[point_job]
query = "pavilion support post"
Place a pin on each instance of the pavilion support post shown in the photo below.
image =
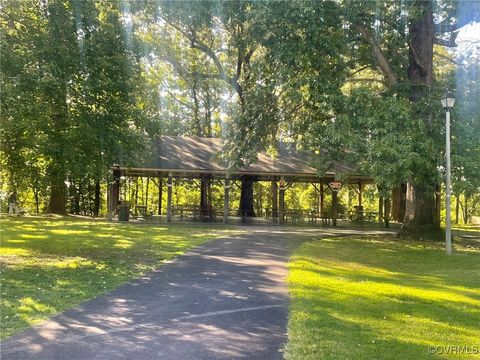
(274, 191)
(169, 197)
(115, 190)
(160, 195)
(146, 191)
(360, 193)
(204, 183)
(321, 200)
(281, 202)
(109, 201)
(334, 207)
(226, 200)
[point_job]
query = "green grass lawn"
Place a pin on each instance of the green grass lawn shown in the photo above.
(49, 265)
(381, 298)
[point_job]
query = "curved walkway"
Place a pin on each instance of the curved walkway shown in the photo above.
(227, 299)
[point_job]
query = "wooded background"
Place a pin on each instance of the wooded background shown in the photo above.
(87, 84)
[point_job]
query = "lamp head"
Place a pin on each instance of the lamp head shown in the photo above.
(448, 100)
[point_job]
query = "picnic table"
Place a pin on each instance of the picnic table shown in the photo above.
(141, 210)
(195, 212)
(300, 215)
(361, 216)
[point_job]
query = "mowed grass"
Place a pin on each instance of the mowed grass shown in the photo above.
(49, 265)
(381, 298)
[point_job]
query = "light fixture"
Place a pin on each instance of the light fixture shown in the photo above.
(448, 100)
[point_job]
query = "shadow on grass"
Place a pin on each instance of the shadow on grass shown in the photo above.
(359, 298)
(49, 265)
(154, 316)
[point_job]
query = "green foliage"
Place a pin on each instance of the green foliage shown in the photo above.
(68, 106)
(86, 84)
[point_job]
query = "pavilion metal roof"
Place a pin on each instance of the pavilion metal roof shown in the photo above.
(192, 156)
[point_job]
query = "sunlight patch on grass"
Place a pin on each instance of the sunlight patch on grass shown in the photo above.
(14, 251)
(358, 298)
(51, 264)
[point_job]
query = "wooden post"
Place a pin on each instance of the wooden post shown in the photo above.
(115, 190)
(226, 200)
(109, 201)
(146, 192)
(160, 193)
(274, 192)
(169, 198)
(334, 207)
(281, 205)
(360, 191)
(204, 183)
(136, 197)
(321, 200)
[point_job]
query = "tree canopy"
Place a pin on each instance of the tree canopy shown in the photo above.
(87, 84)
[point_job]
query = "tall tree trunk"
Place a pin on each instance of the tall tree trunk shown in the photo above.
(196, 107)
(96, 203)
(37, 201)
(208, 114)
(420, 202)
(386, 213)
(457, 208)
(380, 208)
(246, 197)
(57, 202)
(438, 204)
(465, 211)
(398, 203)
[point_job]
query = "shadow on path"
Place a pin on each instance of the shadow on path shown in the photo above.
(225, 299)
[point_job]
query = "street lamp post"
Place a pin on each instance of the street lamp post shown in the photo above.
(447, 103)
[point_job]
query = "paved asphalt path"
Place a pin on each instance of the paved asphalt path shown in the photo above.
(226, 299)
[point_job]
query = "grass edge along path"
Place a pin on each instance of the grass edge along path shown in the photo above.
(381, 298)
(53, 264)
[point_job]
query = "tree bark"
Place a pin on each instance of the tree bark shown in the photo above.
(37, 201)
(465, 211)
(380, 208)
(386, 213)
(398, 203)
(246, 197)
(420, 202)
(57, 202)
(96, 206)
(457, 208)
(438, 204)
